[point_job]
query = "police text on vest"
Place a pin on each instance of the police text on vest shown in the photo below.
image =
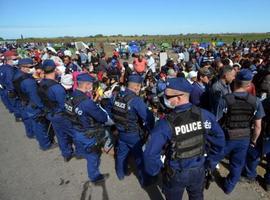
(187, 128)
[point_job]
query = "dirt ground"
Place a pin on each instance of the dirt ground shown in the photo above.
(27, 173)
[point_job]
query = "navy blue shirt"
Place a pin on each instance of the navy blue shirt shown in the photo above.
(88, 108)
(162, 133)
(7, 73)
(29, 87)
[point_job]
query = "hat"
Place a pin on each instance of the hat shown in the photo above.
(67, 53)
(237, 65)
(67, 81)
(61, 69)
(244, 75)
(25, 61)
(85, 77)
(192, 74)
(171, 72)
(9, 54)
(180, 84)
(48, 65)
(135, 78)
(149, 53)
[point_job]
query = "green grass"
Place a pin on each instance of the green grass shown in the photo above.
(153, 38)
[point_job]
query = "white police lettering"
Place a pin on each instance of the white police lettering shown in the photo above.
(207, 124)
(120, 105)
(187, 128)
(68, 107)
(78, 112)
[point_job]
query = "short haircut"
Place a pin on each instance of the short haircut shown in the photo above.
(239, 83)
(49, 69)
(226, 69)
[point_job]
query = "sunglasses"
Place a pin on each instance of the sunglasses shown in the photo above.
(172, 96)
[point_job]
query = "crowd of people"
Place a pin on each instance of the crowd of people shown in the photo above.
(179, 120)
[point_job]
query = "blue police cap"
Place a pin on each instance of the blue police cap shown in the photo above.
(48, 63)
(135, 78)
(85, 77)
(180, 84)
(25, 61)
(244, 75)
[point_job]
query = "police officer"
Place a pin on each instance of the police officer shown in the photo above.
(6, 75)
(261, 148)
(127, 111)
(87, 118)
(183, 134)
(26, 89)
(53, 97)
(237, 112)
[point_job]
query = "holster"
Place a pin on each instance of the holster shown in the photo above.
(167, 172)
(12, 94)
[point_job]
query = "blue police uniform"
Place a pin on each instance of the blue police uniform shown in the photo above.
(3, 91)
(189, 173)
(262, 148)
(237, 148)
(53, 96)
(31, 111)
(87, 110)
(130, 140)
(6, 77)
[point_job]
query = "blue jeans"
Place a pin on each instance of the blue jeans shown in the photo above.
(190, 179)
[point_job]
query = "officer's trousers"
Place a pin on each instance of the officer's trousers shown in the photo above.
(28, 122)
(252, 161)
(237, 151)
(41, 132)
(190, 179)
(62, 128)
(16, 106)
(84, 146)
(130, 143)
(6, 101)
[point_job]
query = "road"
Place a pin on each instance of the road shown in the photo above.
(27, 173)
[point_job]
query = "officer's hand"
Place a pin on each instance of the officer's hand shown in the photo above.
(253, 144)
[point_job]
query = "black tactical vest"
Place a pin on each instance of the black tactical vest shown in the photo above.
(43, 89)
(71, 104)
(121, 115)
(188, 134)
(17, 85)
(96, 129)
(240, 113)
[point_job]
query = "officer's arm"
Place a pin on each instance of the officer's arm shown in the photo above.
(60, 96)
(215, 139)
(259, 114)
(31, 90)
(9, 78)
(221, 108)
(95, 111)
(144, 113)
(159, 137)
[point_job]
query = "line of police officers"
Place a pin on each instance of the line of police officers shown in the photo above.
(183, 145)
